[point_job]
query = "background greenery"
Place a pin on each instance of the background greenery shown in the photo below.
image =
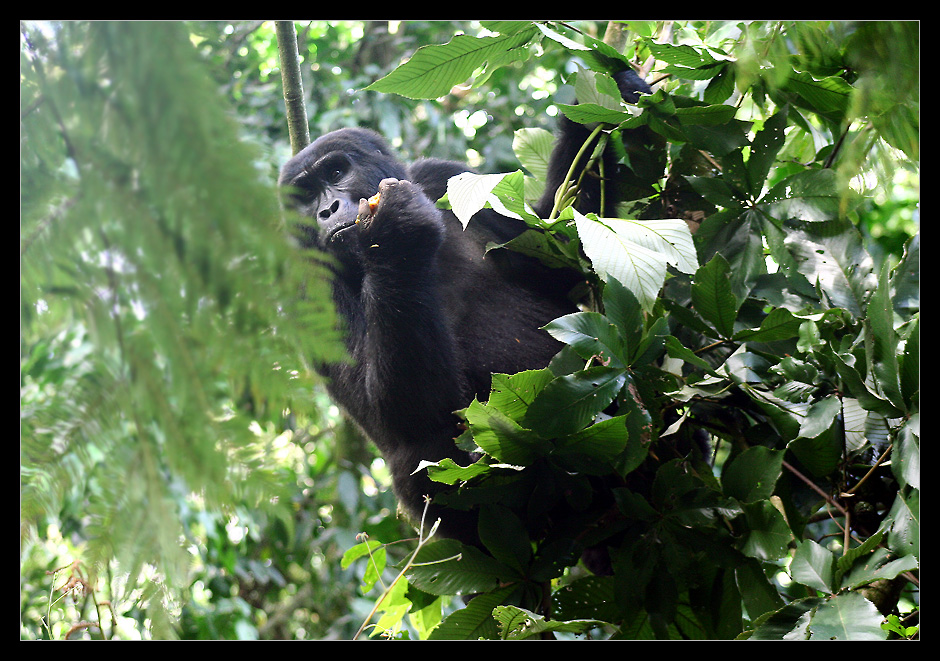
(178, 478)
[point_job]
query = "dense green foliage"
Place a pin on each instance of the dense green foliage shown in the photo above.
(171, 447)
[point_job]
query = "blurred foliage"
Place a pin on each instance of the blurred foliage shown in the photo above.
(177, 477)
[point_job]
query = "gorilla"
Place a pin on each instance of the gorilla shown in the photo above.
(427, 317)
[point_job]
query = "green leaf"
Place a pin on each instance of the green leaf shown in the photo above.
(543, 246)
(758, 593)
(588, 113)
(712, 297)
(753, 474)
(705, 115)
(569, 403)
(447, 471)
(375, 564)
(780, 324)
(813, 566)
(894, 624)
(513, 393)
(910, 366)
(847, 616)
(881, 342)
(469, 192)
(766, 145)
(636, 252)
(880, 564)
(788, 623)
(590, 597)
(595, 53)
(590, 334)
(721, 86)
(720, 139)
(832, 256)
(675, 349)
(475, 621)
(820, 417)
(358, 551)
(597, 89)
(852, 382)
(828, 97)
(813, 196)
(591, 451)
(518, 624)
(505, 536)
(904, 534)
(905, 458)
(433, 70)
(623, 309)
(716, 191)
(819, 445)
(687, 61)
(502, 437)
(905, 283)
(448, 567)
(533, 148)
(768, 534)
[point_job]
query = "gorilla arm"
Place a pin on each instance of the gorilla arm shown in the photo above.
(404, 382)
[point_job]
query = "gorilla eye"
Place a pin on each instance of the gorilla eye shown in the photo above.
(333, 168)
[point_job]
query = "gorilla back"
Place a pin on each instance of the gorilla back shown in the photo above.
(428, 318)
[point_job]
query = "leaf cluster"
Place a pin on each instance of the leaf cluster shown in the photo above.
(770, 332)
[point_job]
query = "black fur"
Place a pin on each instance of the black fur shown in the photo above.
(428, 318)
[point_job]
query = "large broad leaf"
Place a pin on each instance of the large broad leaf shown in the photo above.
(474, 622)
(906, 278)
(595, 53)
(768, 534)
(590, 334)
(635, 252)
(881, 342)
(813, 566)
(518, 624)
(714, 115)
(780, 324)
(591, 450)
(433, 70)
(501, 437)
(767, 143)
(812, 196)
(905, 458)
(753, 474)
(623, 309)
(470, 192)
(847, 616)
(689, 62)
(832, 257)
(713, 298)
(504, 535)
(587, 113)
(569, 403)
(533, 148)
(448, 567)
(828, 97)
(512, 393)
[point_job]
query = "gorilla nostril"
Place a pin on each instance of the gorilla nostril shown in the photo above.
(329, 211)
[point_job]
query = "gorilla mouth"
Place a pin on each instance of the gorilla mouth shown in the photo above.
(336, 231)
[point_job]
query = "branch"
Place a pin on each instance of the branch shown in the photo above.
(293, 85)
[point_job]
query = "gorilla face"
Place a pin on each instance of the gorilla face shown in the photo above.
(326, 181)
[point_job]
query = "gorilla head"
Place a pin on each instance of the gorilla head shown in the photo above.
(326, 180)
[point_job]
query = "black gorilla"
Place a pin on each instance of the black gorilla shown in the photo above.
(428, 319)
